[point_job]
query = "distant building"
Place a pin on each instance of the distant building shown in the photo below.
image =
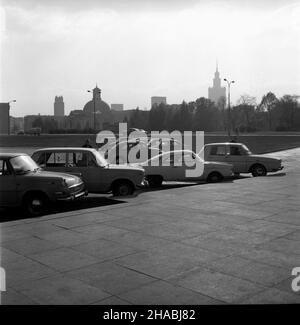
(216, 92)
(59, 106)
(156, 100)
(16, 124)
(117, 107)
(4, 118)
(96, 115)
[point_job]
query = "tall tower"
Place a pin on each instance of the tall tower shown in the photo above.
(216, 92)
(59, 106)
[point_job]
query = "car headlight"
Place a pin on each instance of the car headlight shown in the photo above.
(64, 183)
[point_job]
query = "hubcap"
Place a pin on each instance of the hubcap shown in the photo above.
(259, 171)
(123, 190)
(36, 205)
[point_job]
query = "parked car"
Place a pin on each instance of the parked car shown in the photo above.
(98, 175)
(163, 168)
(241, 158)
(123, 147)
(23, 183)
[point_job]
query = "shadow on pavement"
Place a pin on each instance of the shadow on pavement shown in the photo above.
(12, 214)
(276, 175)
(169, 185)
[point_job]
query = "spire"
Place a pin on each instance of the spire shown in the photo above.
(217, 65)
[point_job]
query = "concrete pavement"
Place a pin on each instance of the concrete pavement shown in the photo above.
(231, 242)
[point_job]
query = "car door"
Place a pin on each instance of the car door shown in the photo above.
(84, 163)
(173, 168)
(8, 185)
(236, 157)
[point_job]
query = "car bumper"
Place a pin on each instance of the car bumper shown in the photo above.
(277, 169)
(72, 197)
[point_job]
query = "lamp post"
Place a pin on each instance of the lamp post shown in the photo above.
(11, 101)
(94, 101)
(229, 110)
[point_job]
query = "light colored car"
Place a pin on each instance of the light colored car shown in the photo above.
(163, 167)
(23, 183)
(98, 175)
(241, 158)
(123, 148)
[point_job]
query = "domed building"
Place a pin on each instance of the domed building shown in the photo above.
(99, 108)
(100, 105)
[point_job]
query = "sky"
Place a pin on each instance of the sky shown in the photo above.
(135, 49)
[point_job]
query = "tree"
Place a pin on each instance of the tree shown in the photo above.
(288, 106)
(267, 104)
(157, 117)
(246, 111)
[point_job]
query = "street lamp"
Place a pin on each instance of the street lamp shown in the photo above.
(229, 111)
(11, 101)
(94, 101)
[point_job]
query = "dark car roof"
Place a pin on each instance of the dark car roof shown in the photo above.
(6, 155)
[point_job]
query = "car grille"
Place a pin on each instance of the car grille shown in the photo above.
(76, 188)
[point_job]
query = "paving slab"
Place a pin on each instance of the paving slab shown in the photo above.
(229, 242)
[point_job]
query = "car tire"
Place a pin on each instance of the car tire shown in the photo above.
(122, 188)
(154, 180)
(35, 204)
(214, 177)
(258, 170)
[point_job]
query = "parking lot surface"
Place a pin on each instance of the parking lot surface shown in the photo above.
(230, 242)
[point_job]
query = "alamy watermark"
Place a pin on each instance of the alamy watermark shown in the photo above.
(2, 279)
(150, 147)
(296, 280)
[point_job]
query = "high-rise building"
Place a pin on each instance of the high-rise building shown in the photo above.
(156, 100)
(117, 107)
(4, 118)
(216, 92)
(59, 106)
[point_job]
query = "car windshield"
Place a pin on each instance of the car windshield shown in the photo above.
(100, 159)
(247, 151)
(23, 164)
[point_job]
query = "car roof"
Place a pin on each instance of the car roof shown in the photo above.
(66, 149)
(165, 153)
(224, 143)
(6, 155)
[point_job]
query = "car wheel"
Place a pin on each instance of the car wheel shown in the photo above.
(258, 170)
(214, 177)
(122, 188)
(154, 180)
(35, 204)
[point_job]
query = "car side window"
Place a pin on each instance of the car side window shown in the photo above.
(56, 159)
(4, 171)
(81, 159)
(218, 151)
(235, 151)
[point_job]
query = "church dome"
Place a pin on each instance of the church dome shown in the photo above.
(96, 103)
(100, 106)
